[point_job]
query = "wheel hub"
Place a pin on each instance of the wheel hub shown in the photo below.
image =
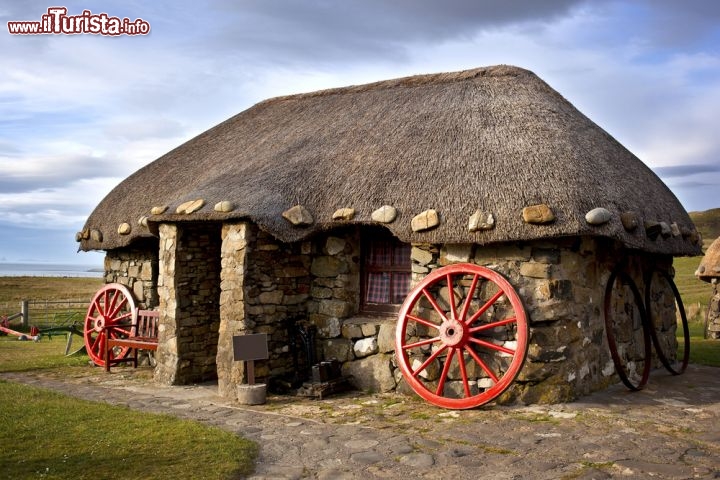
(453, 333)
(100, 324)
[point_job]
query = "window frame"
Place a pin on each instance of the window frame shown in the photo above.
(368, 237)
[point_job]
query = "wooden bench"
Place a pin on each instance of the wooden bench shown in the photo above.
(143, 336)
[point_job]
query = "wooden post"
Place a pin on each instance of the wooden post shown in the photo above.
(250, 369)
(25, 313)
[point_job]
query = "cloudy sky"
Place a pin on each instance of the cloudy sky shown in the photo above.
(80, 113)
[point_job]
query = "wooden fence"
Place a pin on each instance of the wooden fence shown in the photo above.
(46, 313)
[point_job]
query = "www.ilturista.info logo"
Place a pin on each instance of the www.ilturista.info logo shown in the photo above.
(57, 22)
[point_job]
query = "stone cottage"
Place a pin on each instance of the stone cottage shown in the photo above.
(709, 271)
(324, 210)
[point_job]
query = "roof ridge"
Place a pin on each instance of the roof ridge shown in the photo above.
(501, 70)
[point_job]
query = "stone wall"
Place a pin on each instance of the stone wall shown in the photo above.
(562, 284)
(135, 267)
(233, 252)
(277, 286)
(214, 283)
(189, 293)
(712, 329)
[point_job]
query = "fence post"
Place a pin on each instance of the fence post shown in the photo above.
(25, 313)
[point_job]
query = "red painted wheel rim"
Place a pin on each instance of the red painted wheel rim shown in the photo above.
(112, 305)
(473, 338)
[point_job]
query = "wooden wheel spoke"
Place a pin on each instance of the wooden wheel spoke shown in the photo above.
(434, 304)
(489, 326)
(444, 374)
(122, 303)
(95, 343)
(484, 308)
(422, 321)
(492, 346)
(468, 299)
(122, 317)
(463, 373)
(97, 306)
(428, 361)
(421, 343)
(451, 296)
(482, 364)
(116, 332)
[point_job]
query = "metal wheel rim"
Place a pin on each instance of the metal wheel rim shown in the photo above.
(653, 333)
(617, 273)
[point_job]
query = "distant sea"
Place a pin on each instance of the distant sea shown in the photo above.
(49, 270)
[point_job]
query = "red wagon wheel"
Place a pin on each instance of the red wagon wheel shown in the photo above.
(462, 336)
(657, 323)
(617, 317)
(112, 305)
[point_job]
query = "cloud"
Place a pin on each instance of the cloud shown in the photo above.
(317, 32)
(685, 170)
(61, 207)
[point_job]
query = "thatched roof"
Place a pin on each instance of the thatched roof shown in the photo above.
(709, 267)
(494, 139)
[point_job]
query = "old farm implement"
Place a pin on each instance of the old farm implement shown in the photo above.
(35, 333)
(463, 335)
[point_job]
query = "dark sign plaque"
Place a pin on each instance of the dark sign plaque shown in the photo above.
(250, 347)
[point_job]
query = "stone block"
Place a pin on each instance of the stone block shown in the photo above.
(421, 256)
(334, 245)
(369, 329)
(365, 347)
(351, 331)
(546, 255)
(328, 267)
(335, 308)
(456, 253)
(371, 374)
(386, 337)
(338, 348)
(274, 297)
(328, 327)
(538, 214)
(535, 270)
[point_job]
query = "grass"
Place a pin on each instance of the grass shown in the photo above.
(702, 351)
(15, 289)
(707, 223)
(48, 435)
(694, 292)
(48, 289)
(17, 356)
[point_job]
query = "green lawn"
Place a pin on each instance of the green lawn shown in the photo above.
(47, 435)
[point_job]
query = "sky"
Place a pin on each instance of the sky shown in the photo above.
(79, 113)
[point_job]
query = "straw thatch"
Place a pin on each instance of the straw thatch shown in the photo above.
(496, 139)
(709, 267)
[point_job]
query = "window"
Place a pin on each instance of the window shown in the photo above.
(385, 272)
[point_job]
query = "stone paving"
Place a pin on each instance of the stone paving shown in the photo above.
(670, 430)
